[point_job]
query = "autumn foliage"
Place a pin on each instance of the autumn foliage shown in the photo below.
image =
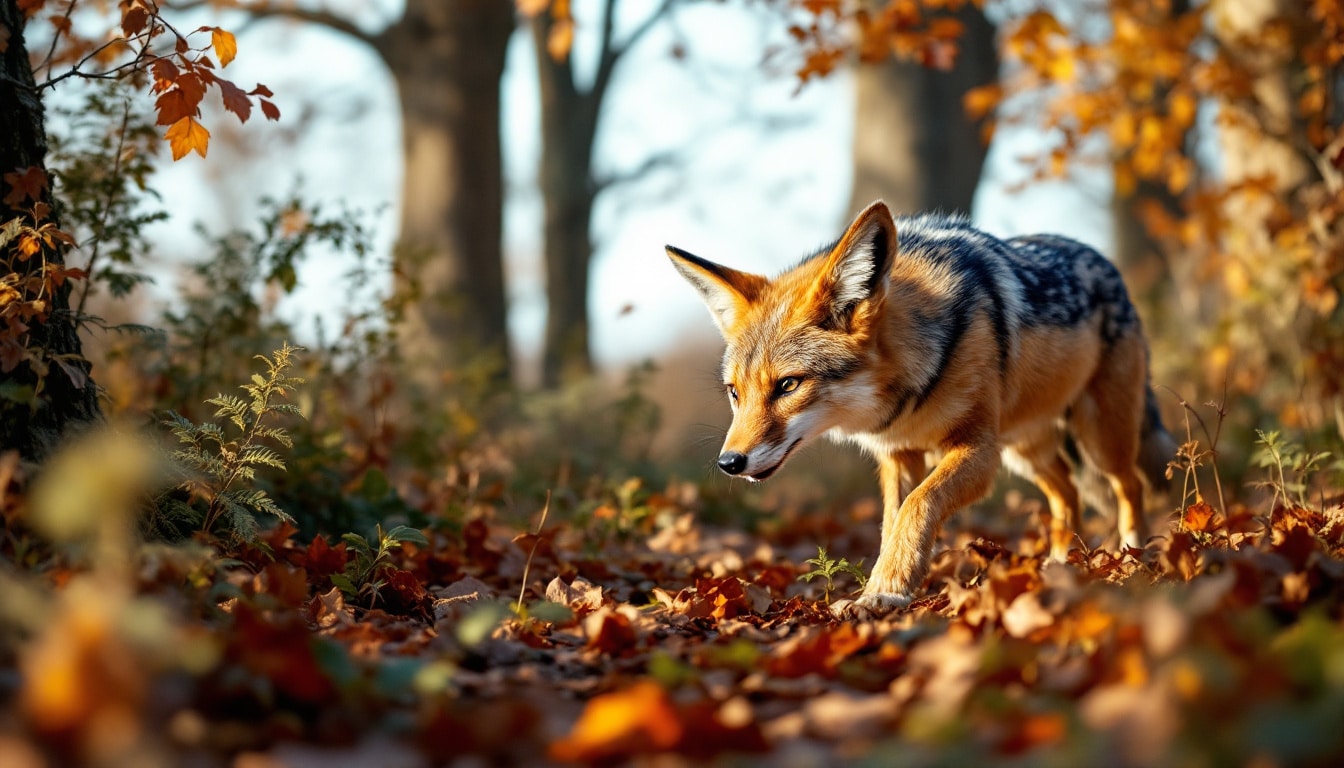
(1218, 125)
(1219, 638)
(251, 567)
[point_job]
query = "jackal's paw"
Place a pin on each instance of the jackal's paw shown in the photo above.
(869, 606)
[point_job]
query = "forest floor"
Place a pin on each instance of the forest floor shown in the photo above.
(646, 636)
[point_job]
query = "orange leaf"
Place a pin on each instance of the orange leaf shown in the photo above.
(982, 100)
(1200, 516)
(639, 719)
(226, 47)
(561, 39)
(186, 135)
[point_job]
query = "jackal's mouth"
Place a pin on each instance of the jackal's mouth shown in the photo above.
(766, 473)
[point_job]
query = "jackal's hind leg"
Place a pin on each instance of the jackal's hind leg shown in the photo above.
(1038, 459)
(1107, 420)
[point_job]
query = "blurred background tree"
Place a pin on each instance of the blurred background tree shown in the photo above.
(914, 145)
(1214, 125)
(447, 58)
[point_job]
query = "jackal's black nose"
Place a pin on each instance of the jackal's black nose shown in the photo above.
(733, 462)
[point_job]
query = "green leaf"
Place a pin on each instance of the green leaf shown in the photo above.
(545, 610)
(343, 583)
(404, 533)
(477, 625)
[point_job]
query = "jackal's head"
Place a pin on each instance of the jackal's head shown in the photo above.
(801, 346)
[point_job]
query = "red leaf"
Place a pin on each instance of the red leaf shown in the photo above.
(134, 19)
(31, 7)
(173, 106)
(403, 594)
(165, 74)
(322, 559)
(25, 184)
(271, 111)
(235, 100)
(260, 90)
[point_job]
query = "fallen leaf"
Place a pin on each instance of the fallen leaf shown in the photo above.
(638, 720)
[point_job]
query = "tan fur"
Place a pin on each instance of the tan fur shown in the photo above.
(973, 417)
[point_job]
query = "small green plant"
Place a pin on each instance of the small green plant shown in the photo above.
(362, 579)
(224, 465)
(1290, 467)
(828, 569)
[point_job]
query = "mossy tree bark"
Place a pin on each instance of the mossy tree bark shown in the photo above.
(46, 390)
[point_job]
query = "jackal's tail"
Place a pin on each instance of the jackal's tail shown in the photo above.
(1156, 449)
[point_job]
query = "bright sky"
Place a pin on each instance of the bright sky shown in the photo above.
(748, 192)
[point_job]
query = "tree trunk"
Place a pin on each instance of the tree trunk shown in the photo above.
(55, 371)
(914, 146)
(447, 57)
(568, 128)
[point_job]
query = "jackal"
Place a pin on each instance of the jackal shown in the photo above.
(924, 340)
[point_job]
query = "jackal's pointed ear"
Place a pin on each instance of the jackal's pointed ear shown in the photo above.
(725, 291)
(857, 267)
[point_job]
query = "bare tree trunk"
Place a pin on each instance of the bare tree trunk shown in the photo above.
(447, 57)
(914, 146)
(568, 129)
(569, 121)
(50, 393)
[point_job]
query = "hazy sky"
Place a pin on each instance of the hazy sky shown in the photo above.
(764, 173)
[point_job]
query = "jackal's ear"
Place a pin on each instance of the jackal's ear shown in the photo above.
(857, 267)
(726, 292)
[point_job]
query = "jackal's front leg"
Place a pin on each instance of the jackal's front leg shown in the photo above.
(910, 525)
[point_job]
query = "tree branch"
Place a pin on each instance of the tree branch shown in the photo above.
(269, 10)
(611, 52)
(665, 159)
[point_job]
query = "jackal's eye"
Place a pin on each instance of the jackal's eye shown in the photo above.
(732, 392)
(787, 385)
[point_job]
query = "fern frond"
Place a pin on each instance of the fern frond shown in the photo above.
(261, 456)
(240, 520)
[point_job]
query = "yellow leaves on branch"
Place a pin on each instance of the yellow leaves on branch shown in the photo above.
(187, 135)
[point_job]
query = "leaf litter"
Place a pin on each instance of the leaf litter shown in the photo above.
(1220, 642)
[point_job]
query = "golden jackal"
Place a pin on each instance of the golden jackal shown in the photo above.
(922, 336)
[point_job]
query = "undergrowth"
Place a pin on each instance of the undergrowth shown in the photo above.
(221, 458)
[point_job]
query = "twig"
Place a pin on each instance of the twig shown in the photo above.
(528, 565)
